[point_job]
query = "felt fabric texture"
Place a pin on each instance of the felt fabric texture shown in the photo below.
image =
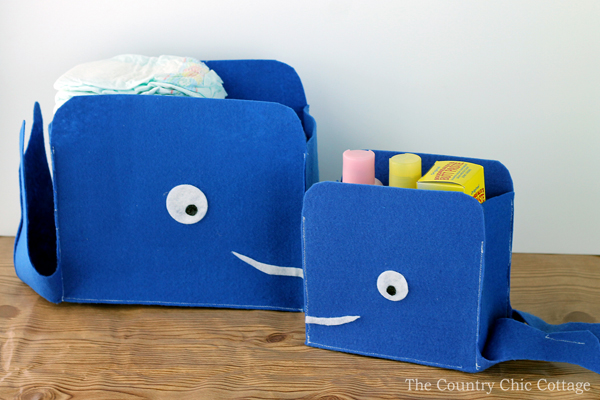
(117, 157)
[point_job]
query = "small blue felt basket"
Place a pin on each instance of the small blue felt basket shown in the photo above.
(445, 262)
(172, 200)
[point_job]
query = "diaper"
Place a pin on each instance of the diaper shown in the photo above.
(136, 74)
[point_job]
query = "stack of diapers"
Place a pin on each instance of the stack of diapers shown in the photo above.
(137, 74)
(170, 200)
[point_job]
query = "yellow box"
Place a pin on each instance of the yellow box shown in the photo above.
(456, 176)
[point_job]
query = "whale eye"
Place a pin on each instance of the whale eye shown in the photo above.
(186, 204)
(392, 285)
(191, 210)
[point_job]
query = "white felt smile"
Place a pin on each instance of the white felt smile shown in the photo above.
(271, 269)
(331, 321)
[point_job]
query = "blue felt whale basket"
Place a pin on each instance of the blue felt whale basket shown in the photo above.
(446, 262)
(101, 229)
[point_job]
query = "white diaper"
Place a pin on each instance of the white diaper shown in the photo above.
(136, 74)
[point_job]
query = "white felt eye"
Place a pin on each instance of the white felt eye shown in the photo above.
(392, 285)
(186, 204)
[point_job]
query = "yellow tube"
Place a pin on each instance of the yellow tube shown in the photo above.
(405, 170)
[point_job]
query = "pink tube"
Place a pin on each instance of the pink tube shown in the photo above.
(359, 167)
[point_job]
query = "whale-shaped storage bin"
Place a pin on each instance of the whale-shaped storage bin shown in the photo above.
(172, 200)
(423, 276)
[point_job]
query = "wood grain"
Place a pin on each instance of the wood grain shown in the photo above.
(86, 351)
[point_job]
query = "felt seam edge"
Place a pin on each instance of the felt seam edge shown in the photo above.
(306, 326)
(55, 201)
(562, 340)
(305, 165)
(479, 300)
(385, 356)
(508, 269)
(179, 303)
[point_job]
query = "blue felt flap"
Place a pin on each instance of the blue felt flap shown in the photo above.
(441, 242)
(526, 337)
(35, 242)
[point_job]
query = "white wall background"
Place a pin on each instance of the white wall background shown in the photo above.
(516, 81)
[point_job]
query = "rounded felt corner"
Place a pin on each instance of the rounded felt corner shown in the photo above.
(261, 80)
(48, 286)
(70, 106)
(283, 68)
(500, 176)
(316, 193)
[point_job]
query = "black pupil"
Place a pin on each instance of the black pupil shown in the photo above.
(391, 290)
(191, 210)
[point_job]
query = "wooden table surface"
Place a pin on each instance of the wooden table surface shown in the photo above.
(80, 351)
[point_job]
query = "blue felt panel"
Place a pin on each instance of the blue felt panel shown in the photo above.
(119, 158)
(353, 233)
(441, 242)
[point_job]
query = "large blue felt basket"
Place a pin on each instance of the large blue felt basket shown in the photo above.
(100, 229)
